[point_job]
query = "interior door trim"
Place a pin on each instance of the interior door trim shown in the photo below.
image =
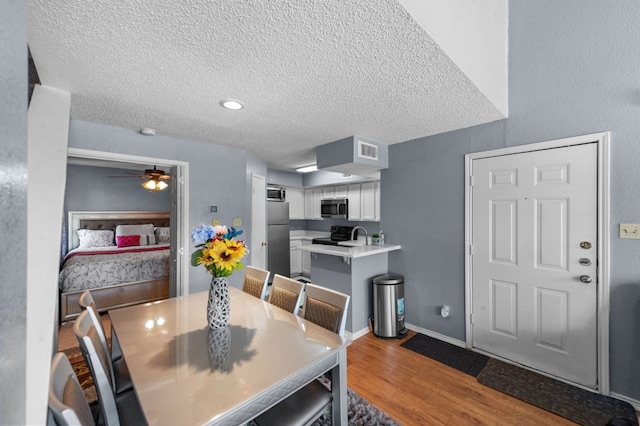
(603, 276)
(183, 258)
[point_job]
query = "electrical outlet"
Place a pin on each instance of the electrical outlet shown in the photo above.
(444, 311)
(216, 222)
(237, 221)
(629, 230)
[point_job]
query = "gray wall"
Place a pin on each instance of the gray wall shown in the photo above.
(574, 69)
(92, 189)
(13, 200)
(218, 176)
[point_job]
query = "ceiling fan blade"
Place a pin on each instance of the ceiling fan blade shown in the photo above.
(125, 176)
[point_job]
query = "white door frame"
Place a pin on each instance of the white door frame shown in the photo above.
(603, 142)
(258, 209)
(181, 222)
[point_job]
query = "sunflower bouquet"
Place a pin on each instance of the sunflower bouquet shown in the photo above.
(219, 250)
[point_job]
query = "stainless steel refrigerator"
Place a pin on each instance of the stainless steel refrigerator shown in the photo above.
(278, 261)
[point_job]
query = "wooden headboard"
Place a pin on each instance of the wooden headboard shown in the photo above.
(109, 220)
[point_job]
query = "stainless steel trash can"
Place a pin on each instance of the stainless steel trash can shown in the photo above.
(388, 306)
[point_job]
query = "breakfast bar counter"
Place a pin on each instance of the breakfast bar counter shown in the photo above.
(351, 270)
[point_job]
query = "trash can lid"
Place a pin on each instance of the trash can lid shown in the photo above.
(388, 279)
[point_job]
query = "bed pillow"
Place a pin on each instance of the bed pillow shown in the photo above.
(163, 234)
(145, 232)
(145, 229)
(128, 240)
(90, 238)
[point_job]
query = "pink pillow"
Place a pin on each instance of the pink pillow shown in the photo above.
(128, 240)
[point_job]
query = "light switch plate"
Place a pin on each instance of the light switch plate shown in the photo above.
(237, 221)
(630, 230)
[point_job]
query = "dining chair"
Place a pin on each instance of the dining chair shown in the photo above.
(255, 281)
(118, 367)
(328, 309)
(122, 408)
(67, 402)
(286, 293)
(86, 301)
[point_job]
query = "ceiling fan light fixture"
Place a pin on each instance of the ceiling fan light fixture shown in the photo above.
(231, 104)
(154, 184)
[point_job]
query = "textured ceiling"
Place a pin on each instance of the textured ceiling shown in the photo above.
(308, 72)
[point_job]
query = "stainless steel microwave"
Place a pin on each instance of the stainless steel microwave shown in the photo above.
(337, 208)
(276, 193)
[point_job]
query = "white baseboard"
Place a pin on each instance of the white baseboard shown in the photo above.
(357, 334)
(435, 335)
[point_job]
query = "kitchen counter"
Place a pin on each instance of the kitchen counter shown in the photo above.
(350, 252)
(307, 235)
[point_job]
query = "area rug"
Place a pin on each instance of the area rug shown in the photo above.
(81, 369)
(456, 357)
(581, 406)
(359, 411)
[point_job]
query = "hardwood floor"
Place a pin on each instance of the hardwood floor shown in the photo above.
(414, 389)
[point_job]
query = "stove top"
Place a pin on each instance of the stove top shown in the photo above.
(338, 233)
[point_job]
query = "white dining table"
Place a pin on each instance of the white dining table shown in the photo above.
(187, 374)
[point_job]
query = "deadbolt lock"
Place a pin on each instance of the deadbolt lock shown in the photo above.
(584, 261)
(585, 245)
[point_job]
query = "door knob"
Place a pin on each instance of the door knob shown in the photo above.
(585, 245)
(585, 279)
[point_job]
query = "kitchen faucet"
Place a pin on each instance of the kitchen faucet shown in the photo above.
(366, 235)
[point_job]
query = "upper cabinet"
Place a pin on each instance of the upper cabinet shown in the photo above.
(295, 197)
(364, 201)
(353, 195)
(370, 201)
(312, 197)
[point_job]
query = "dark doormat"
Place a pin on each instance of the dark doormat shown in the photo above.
(456, 357)
(579, 405)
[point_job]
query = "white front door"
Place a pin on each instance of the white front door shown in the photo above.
(534, 259)
(258, 221)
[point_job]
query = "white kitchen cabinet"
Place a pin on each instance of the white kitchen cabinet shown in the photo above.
(340, 191)
(353, 195)
(295, 257)
(328, 192)
(370, 199)
(306, 260)
(377, 203)
(312, 197)
(295, 197)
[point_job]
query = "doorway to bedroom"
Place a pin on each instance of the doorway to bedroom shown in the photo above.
(175, 199)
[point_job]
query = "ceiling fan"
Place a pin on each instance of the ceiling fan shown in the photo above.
(155, 179)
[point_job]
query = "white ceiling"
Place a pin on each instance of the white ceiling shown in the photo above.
(308, 72)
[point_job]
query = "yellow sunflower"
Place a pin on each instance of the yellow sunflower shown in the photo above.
(226, 254)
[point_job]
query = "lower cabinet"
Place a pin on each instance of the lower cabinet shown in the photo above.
(300, 260)
(295, 257)
(306, 260)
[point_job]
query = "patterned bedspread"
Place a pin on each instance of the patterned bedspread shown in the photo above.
(94, 268)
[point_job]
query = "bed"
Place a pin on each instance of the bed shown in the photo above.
(122, 257)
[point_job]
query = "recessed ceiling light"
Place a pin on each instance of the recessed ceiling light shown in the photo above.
(231, 104)
(147, 131)
(307, 169)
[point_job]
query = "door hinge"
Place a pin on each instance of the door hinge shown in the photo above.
(471, 249)
(471, 181)
(471, 318)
